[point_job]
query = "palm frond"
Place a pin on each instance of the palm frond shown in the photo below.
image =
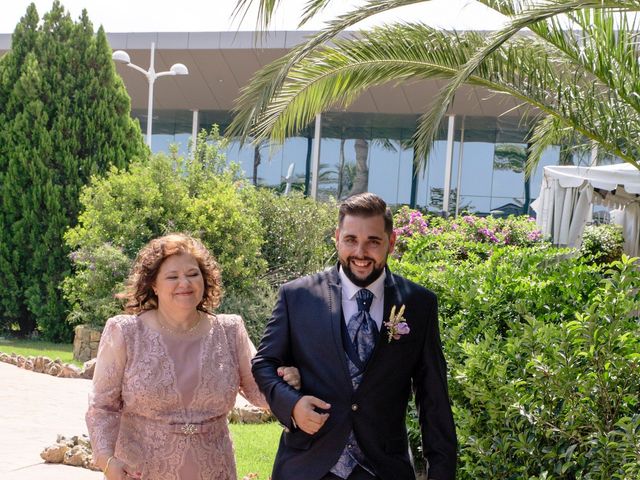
(548, 132)
(529, 17)
(254, 100)
(266, 8)
(265, 11)
(582, 80)
(311, 9)
(334, 76)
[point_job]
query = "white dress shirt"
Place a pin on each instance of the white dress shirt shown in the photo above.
(350, 304)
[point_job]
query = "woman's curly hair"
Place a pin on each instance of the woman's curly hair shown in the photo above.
(139, 295)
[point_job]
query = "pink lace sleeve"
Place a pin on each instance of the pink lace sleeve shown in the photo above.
(105, 401)
(246, 350)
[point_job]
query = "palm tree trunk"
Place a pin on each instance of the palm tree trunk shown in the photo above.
(256, 161)
(361, 182)
(341, 170)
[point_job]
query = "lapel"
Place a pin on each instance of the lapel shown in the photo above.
(334, 297)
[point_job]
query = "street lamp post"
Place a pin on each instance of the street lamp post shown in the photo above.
(176, 69)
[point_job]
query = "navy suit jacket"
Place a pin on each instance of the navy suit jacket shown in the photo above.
(305, 331)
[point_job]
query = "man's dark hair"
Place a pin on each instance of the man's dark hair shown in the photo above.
(366, 205)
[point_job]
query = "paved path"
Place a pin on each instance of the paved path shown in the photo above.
(34, 408)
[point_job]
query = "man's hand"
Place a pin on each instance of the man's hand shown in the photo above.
(305, 416)
(291, 375)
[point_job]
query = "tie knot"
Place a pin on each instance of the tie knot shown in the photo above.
(364, 298)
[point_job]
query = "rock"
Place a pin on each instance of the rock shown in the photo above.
(66, 440)
(249, 414)
(38, 364)
(55, 453)
(75, 451)
(85, 342)
(78, 456)
(94, 336)
(55, 367)
(69, 371)
(88, 368)
(83, 441)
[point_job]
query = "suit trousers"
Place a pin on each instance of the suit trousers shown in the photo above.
(358, 473)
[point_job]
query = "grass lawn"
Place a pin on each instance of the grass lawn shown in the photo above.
(34, 348)
(255, 447)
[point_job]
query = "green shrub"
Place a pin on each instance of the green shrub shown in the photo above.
(602, 243)
(298, 234)
(556, 400)
(254, 305)
(99, 274)
(126, 209)
(260, 238)
(297, 241)
(543, 353)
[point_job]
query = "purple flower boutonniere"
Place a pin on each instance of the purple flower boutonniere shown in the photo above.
(397, 324)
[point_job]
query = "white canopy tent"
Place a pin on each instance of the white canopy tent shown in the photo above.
(568, 194)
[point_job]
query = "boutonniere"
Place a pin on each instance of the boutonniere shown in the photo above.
(397, 324)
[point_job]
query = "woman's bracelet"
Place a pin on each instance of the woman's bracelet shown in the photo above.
(107, 465)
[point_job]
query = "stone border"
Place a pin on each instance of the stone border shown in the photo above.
(55, 367)
(244, 413)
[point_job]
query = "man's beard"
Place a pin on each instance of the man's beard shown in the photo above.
(362, 282)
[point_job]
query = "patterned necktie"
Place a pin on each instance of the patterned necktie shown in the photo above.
(363, 333)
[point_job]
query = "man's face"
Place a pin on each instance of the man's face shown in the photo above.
(363, 247)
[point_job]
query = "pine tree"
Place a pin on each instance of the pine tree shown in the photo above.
(64, 116)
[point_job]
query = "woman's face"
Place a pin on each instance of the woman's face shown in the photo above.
(179, 284)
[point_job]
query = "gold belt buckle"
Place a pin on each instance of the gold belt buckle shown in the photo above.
(189, 429)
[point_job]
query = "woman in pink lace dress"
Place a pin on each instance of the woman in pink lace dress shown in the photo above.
(168, 373)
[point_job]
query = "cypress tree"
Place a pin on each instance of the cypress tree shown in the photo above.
(64, 118)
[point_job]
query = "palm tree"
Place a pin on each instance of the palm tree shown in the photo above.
(576, 71)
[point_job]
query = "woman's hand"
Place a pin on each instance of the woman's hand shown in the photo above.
(291, 375)
(116, 469)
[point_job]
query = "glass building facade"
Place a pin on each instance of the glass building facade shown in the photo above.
(372, 152)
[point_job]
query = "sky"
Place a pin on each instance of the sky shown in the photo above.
(216, 15)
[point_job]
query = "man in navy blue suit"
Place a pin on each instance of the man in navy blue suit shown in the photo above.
(363, 340)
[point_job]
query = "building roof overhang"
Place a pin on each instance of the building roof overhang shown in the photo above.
(221, 63)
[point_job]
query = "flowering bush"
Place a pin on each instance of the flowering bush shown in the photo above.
(516, 231)
(542, 350)
(602, 243)
(459, 239)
